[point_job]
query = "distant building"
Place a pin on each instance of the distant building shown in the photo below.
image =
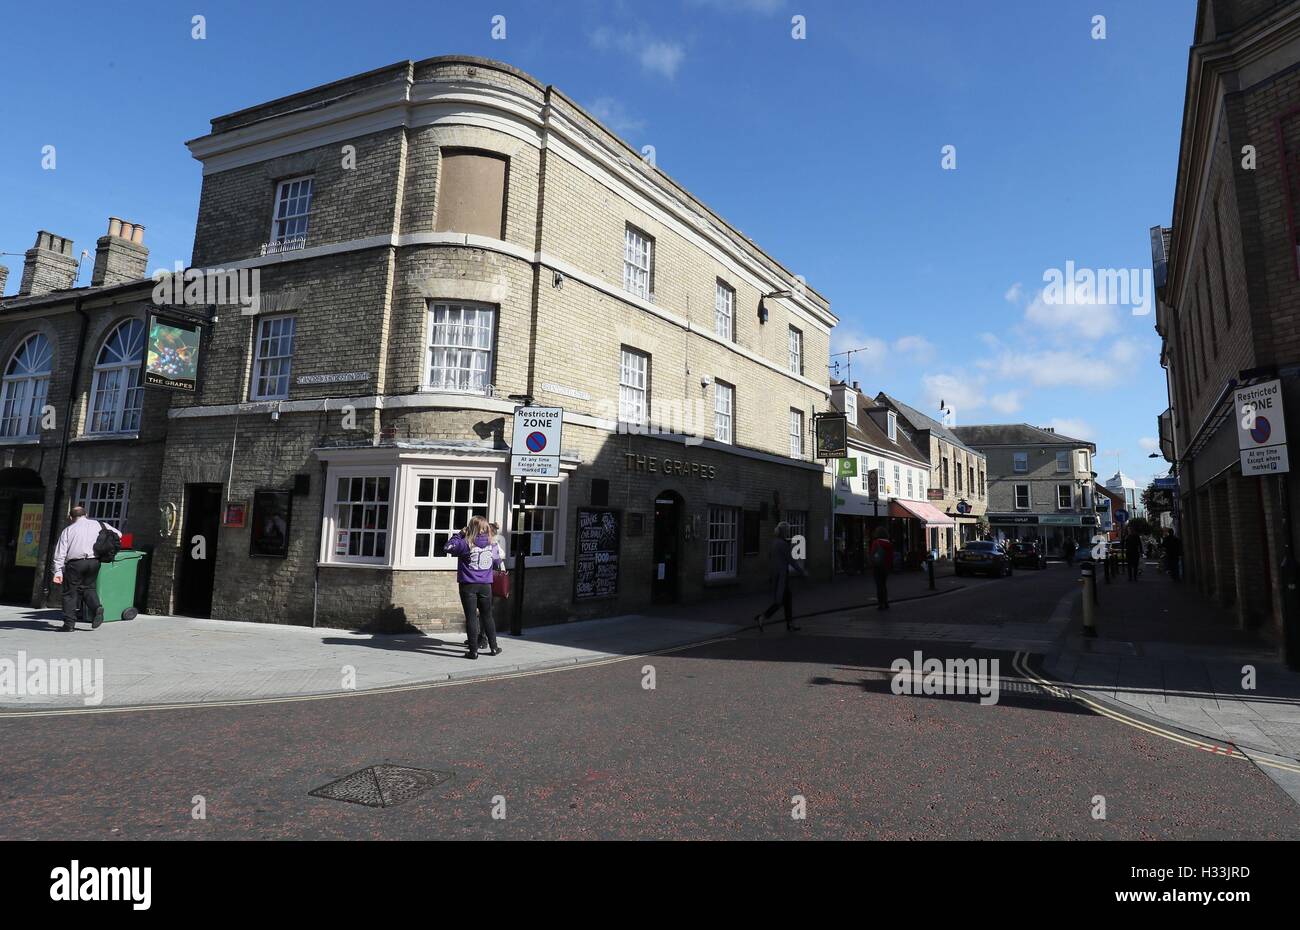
(1040, 482)
(1128, 490)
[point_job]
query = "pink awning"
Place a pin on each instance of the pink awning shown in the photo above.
(928, 514)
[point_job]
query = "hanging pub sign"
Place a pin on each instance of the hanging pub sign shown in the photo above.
(832, 435)
(171, 358)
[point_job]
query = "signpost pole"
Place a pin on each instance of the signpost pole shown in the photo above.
(521, 559)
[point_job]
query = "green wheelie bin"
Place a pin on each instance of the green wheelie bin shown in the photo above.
(116, 585)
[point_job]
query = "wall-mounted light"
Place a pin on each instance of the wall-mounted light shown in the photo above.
(557, 280)
(762, 306)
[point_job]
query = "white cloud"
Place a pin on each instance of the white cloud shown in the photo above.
(1072, 427)
(613, 114)
(1006, 403)
(961, 394)
(1073, 321)
(761, 7)
(918, 348)
(1149, 444)
(1014, 293)
(657, 56)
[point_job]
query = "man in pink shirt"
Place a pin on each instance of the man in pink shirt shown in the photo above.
(74, 556)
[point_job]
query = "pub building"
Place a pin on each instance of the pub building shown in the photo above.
(882, 482)
(439, 242)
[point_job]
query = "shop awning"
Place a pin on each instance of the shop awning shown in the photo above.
(928, 514)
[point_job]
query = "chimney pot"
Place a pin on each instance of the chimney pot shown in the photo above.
(114, 226)
(120, 255)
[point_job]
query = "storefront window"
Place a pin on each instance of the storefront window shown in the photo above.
(723, 542)
(361, 511)
(443, 508)
(536, 529)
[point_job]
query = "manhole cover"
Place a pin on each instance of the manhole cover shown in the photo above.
(381, 785)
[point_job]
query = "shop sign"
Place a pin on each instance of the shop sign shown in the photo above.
(846, 468)
(1016, 519)
(831, 432)
(934, 494)
(653, 465)
(29, 535)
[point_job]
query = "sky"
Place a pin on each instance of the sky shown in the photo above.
(828, 150)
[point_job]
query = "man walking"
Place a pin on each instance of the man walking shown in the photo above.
(76, 568)
(882, 563)
(1133, 554)
(1173, 553)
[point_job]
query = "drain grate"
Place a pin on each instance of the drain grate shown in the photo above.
(381, 785)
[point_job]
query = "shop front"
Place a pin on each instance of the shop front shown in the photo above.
(1049, 530)
(922, 526)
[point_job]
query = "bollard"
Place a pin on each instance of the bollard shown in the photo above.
(1088, 578)
(929, 568)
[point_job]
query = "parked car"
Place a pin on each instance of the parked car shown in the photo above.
(1028, 555)
(982, 556)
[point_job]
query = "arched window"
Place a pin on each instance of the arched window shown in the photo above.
(116, 395)
(26, 383)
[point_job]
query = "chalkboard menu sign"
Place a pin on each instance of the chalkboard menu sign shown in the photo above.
(596, 575)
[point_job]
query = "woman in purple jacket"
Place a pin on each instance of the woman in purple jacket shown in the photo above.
(478, 554)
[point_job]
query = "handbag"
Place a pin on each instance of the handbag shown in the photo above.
(501, 584)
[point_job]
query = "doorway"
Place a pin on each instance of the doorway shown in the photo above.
(667, 536)
(22, 532)
(198, 568)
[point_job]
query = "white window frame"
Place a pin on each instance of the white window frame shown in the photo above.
(25, 392)
(638, 262)
(125, 409)
(89, 493)
(891, 424)
(1062, 462)
(1069, 492)
(1082, 456)
(796, 350)
(796, 433)
(633, 386)
(1015, 497)
(798, 520)
(288, 229)
(332, 477)
(559, 534)
(409, 500)
(466, 354)
(1017, 460)
(261, 340)
(721, 517)
(724, 412)
(724, 311)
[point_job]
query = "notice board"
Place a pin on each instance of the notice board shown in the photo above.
(596, 558)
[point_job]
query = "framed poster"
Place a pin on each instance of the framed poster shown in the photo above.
(29, 535)
(234, 514)
(272, 509)
(171, 357)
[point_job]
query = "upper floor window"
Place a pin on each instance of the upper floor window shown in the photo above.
(1021, 461)
(460, 346)
(633, 387)
(116, 394)
(638, 263)
(796, 351)
(945, 475)
(796, 433)
(273, 357)
(1022, 497)
(1062, 461)
(970, 478)
(724, 311)
(892, 423)
(1083, 462)
(724, 400)
(471, 193)
(26, 384)
(1064, 497)
(292, 206)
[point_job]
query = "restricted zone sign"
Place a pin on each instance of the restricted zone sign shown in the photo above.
(1261, 429)
(535, 443)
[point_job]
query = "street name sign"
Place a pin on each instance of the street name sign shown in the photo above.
(535, 442)
(1261, 429)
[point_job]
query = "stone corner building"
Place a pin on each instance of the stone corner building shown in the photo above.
(433, 238)
(1228, 313)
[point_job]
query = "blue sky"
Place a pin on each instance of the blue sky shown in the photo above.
(825, 150)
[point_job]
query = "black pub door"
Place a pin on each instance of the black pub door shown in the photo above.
(199, 560)
(668, 509)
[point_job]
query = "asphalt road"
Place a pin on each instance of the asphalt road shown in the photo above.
(721, 746)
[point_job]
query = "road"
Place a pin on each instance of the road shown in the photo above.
(730, 738)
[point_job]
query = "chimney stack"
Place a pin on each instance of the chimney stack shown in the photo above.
(120, 256)
(48, 266)
(4, 278)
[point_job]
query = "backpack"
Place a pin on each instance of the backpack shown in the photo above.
(108, 545)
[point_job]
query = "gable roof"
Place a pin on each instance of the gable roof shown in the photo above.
(869, 433)
(1016, 434)
(919, 421)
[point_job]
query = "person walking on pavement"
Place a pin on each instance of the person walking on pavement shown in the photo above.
(1133, 554)
(1173, 547)
(478, 555)
(882, 563)
(494, 533)
(780, 564)
(76, 566)
(1068, 547)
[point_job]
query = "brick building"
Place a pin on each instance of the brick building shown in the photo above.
(76, 424)
(1040, 483)
(1228, 279)
(433, 238)
(958, 476)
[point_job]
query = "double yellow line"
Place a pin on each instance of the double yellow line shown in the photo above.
(1021, 664)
